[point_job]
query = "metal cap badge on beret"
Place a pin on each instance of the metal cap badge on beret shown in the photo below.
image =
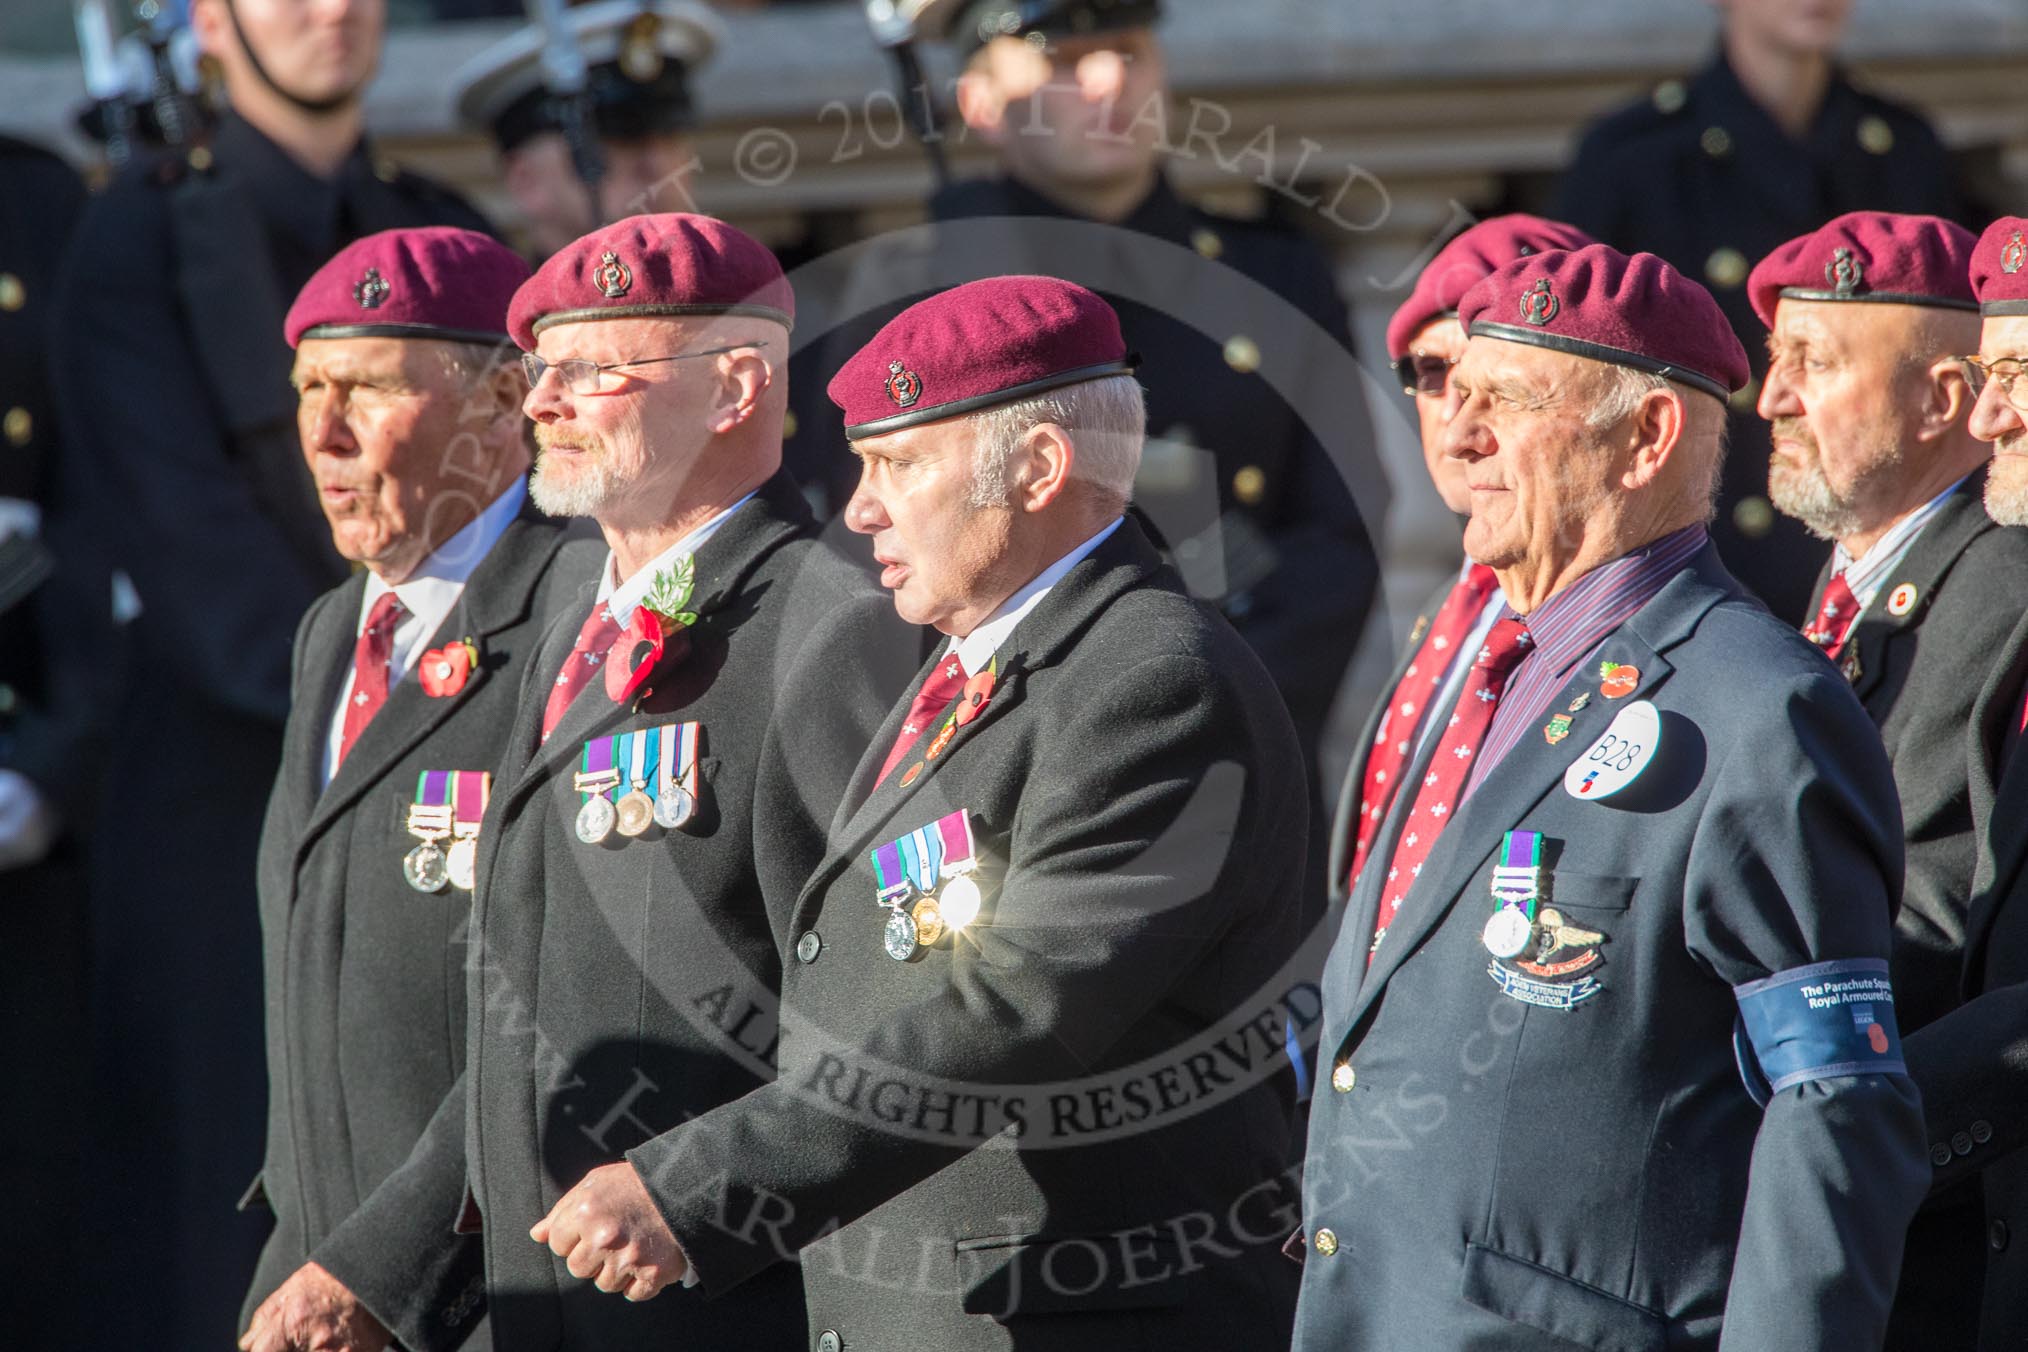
(969, 25)
(649, 267)
(1460, 265)
(1597, 302)
(975, 346)
(1999, 271)
(431, 282)
(1879, 256)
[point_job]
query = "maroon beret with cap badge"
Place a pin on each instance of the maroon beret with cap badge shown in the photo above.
(431, 282)
(1464, 262)
(1869, 256)
(1599, 303)
(1999, 271)
(660, 266)
(976, 346)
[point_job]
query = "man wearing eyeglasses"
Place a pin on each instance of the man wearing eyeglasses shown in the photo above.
(1868, 398)
(1425, 340)
(683, 738)
(1972, 1063)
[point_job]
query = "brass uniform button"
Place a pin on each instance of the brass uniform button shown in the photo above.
(13, 295)
(1726, 267)
(9, 701)
(386, 170)
(199, 159)
(1753, 516)
(1717, 142)
(19, 426)
(1343, 1077)
(1242, 354)
(1670, 95)
(1743, 399)
(1326, 1242)
(1250, 485)
(789, 424)
(1875, 136)
(1206, 242)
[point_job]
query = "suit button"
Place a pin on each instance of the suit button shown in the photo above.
(13, 295)
(1939, 1154)
(1875, 136)
(809, 946)
(1753, 516)
(1982, 1132)
(1242, 354)
(19, 426)
(829, 1341)
(1326, 1242)
(1343, 1077)
(1996, 1234)
(1962, 1142)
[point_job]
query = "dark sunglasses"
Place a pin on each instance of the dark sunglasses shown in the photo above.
(1423, 374)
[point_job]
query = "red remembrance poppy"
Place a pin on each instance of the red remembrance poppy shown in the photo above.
(633, 658)
(972, 700)
(444, 670)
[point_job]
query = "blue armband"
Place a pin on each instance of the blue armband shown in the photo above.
(1815, 1023)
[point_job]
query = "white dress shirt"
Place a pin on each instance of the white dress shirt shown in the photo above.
(430, 594)
(623, 597)
(976, 649)
(1865, 575)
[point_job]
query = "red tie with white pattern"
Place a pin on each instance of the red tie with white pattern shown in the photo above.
(1389, 753)
(1834, 618)
(594, 640)
(1444, 782)
(938, 690)
(370, 656)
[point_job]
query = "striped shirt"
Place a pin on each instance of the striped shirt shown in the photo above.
(1569, 627)
(1865, 576)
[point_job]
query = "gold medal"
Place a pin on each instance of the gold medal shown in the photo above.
(929, 921)
(636, 812)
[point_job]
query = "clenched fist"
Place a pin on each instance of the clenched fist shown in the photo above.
(607, 1228)
(313, 1312)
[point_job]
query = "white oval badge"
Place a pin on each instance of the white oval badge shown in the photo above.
(1617, 758)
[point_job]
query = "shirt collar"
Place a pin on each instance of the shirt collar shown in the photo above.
(430, 592)
(1865, 574)
(976, 649)
(622, 598)
(1575, 620)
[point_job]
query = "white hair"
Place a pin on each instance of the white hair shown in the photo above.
(1107, 420)
(1620, 391)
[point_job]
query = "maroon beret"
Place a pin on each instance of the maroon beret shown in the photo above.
(1999, 271)
(1460, 264)
(433, 282)
(654, 267)
(1869, 255)
(1597, 302)
(975, 346)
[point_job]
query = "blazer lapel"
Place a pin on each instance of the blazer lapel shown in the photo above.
(327, 657)
(864, 779)
(1935, 550)
(1999, 794)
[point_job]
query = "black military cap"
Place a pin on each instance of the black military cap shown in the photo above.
(969, 25)
(639, 58)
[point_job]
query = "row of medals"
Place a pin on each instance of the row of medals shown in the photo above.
(914, 926)
(429, 867)
(634, 813)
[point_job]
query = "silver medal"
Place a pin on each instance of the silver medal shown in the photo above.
(673, 808)
(461, 865)
(901, 940)
(425, 867)
(1509, 932)
(595, 819)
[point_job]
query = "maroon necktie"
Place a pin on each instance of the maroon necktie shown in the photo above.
(936, 694)
(1390, 751)
(369, 669)
(1834, 618)
(1436, 798)
(587, 655)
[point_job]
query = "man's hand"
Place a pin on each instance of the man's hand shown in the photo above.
(607, 1228)
(313, 1312)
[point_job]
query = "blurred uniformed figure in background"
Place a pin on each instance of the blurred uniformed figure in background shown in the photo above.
(1767, 142)
(45, 763)
(639, 58)
(1239, 322)
(180, 456)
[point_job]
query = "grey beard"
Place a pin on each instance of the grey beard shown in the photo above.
(584, 494)
(1805, 495)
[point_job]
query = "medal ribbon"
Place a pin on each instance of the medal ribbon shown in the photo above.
(599, 767)
(678, 757)
(923, 856)
(470, 791)
(639, 750)
(1517, 877)
(430, 818)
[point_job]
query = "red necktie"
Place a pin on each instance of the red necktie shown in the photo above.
(1834, 619)
(594, 641)
(1437, 796)
(1384, 762)
(369, 669)
(936, 694)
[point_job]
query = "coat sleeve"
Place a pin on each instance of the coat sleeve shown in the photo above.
(1972, 1068)
(149, 451)
(399, 1253)
(1125, 861)
(1837, 1169)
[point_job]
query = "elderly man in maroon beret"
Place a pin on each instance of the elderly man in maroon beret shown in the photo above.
(1972, 1063)
(1065, 871)
(408, 405)
(1608, 1030)
(1869, 398)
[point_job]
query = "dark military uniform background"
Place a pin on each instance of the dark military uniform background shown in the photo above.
(45, 726)
(1703, 176)
(181, 457)
(1256, 512)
